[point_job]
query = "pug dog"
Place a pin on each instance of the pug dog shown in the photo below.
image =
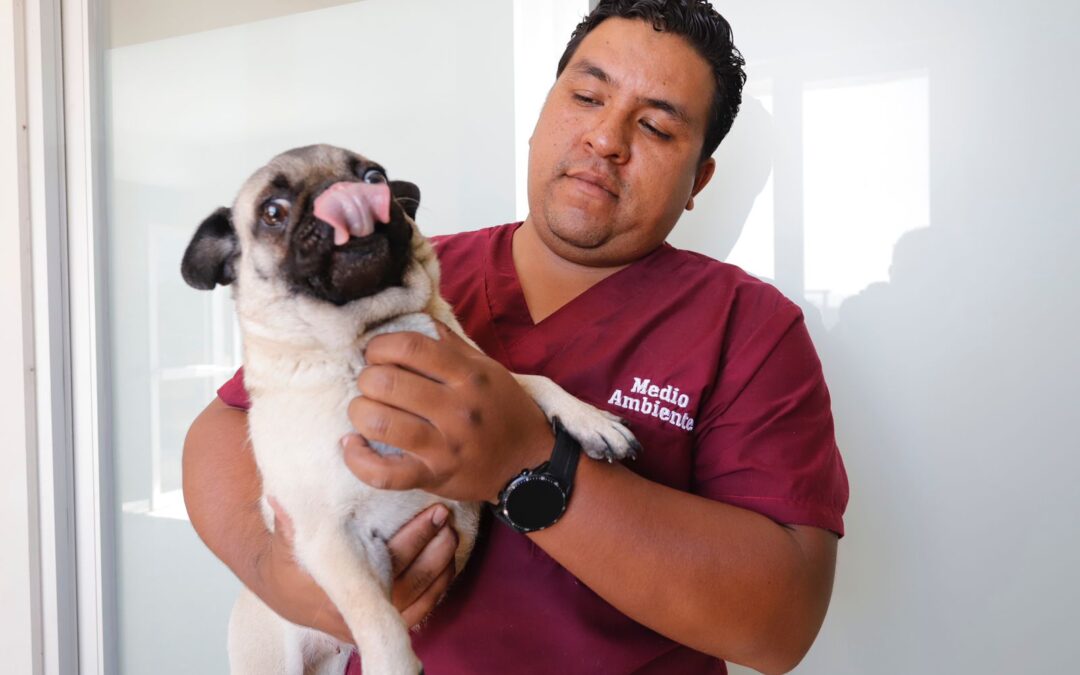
(322, 253)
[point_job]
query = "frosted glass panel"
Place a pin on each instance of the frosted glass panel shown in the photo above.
(192, 108)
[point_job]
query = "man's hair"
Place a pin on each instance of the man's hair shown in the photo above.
(704, 28)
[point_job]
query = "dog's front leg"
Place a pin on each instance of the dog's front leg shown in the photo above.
(601, 434)
(355, 580)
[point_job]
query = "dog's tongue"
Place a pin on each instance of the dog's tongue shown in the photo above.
(352, 208)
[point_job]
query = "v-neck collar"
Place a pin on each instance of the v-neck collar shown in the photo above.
(514, 326)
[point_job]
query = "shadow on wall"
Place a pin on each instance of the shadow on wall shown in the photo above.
(953, 384)
(744, 162)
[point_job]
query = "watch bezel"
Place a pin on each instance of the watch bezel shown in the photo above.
(531, 477)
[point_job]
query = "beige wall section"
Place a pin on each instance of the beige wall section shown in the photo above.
(20, 610)
(135, 21)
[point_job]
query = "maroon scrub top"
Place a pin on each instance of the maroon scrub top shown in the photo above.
(722, 386)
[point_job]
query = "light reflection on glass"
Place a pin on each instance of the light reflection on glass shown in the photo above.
(866, 181)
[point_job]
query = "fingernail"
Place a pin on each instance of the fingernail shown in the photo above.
(353, 436)
(439, 516)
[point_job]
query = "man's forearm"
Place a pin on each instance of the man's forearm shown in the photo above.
(717, 578)
(220, 477)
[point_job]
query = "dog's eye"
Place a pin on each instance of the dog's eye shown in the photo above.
(374, 176)
(275, 212)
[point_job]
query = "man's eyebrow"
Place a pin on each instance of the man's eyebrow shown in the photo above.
(586, 68)
(668, 107)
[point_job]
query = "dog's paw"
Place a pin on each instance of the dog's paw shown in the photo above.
(601, 434)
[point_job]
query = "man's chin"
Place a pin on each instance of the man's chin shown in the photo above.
(581, 246)
(580, 233)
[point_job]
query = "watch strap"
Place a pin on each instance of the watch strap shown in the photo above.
(561, 469)
(564, 457)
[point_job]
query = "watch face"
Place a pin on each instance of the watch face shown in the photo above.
(535, 502)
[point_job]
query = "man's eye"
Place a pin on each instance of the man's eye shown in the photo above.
(275, 212)
(374, 176)
(654, 131)
(581, 98)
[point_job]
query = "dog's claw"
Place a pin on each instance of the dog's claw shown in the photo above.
(610, 450)
(602, 435)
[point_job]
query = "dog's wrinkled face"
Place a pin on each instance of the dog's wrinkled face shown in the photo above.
(323, 221)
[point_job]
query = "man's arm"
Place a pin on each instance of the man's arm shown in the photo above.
(721, 579)
(222, 490)
(717, 578)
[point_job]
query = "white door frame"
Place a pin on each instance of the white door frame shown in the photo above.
(20, 580)
(95, 506)
(60, 511)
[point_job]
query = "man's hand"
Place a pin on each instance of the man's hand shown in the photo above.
(465, 425)
(422, 552)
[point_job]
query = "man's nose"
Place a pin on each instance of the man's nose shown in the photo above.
(608, 138)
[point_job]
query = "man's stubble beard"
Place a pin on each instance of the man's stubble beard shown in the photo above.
(579, 236)
(574, 227)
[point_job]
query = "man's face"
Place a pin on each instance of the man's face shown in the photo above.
(614, 157)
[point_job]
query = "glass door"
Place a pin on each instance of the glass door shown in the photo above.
(195, 98)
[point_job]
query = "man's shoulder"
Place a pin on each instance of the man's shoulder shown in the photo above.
(464, 257)
(468, 243)
(725, 283)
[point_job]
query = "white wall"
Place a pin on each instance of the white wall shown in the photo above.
(923, 205)
(541, 31)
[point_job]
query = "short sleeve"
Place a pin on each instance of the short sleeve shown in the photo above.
(766, 440)
(233, 392)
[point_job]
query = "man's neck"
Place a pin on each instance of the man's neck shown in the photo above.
(548, 281)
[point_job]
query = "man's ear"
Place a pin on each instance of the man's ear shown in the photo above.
(210, 258)
(407, 195)
(702, 177)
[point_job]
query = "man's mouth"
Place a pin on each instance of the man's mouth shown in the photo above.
(597, 180)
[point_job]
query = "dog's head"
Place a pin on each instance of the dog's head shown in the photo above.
(318, 221)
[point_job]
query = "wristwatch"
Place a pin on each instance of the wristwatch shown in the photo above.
(536, 498)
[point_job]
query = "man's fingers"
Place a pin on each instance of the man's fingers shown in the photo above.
(390, 472)
(433, 560)
(410, 540)
(401, 389)
(444, 360)
(418, 611)
(377, 421)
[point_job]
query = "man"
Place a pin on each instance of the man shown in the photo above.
(719, 543)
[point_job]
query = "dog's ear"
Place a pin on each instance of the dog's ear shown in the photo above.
(406, 194)
(210, 258)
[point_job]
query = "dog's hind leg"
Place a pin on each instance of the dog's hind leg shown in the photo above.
(323, 655)
(601, 434)
(360, 592)
(258, 640)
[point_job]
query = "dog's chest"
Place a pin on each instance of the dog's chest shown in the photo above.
(296, 432)
(299, 414)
